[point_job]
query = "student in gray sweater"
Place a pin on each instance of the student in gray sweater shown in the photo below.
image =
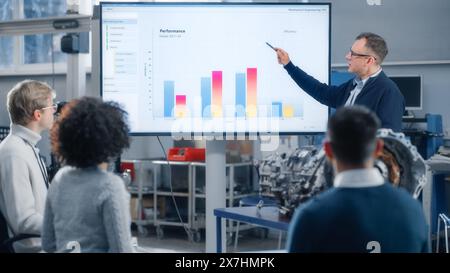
(23, 175)
(85, 203)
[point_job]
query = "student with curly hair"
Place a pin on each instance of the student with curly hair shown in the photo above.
(85, 203)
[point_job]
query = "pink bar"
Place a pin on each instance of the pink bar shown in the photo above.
(180, 99)
(251, 91)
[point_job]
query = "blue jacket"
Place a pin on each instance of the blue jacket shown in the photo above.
(380, 94)
(359, 220)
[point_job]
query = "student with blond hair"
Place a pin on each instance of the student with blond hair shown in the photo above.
(23, 175)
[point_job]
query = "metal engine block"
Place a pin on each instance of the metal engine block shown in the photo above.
(295, 177)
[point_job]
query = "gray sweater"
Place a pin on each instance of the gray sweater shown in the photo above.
(89, 206)
(22, 186)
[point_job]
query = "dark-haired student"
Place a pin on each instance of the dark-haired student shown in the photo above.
(87, 204)
(370, 87)
(363, 212)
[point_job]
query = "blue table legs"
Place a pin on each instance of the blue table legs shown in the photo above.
(219, 234)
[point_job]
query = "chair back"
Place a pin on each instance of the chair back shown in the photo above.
(3, 234)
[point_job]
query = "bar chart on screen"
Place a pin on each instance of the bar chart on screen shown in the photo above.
(165, 64)
(246, 105)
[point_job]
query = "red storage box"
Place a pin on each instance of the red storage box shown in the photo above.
(128, 166)
(186, 154)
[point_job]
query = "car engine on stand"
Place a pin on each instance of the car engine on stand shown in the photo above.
(295, 177)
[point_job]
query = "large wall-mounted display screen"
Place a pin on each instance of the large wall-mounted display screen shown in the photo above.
(207, 68)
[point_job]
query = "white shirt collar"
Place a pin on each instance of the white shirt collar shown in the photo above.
(25, 133)
(358, 178)
(360, 82)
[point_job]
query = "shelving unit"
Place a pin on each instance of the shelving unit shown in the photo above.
(139, 188)
(195, 219)
(199, 218)
(159, 222)
(141, 221)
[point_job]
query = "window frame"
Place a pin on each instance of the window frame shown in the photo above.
(18, 66)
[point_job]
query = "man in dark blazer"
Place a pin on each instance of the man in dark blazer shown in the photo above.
(370, 87)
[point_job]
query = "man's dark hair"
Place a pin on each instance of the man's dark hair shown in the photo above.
(376, 44)
(352, 134)
(89, 132)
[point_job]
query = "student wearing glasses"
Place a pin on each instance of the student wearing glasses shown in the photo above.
(23, 175)
(370, 87)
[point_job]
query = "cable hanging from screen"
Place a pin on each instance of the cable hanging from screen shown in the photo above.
(188, 232)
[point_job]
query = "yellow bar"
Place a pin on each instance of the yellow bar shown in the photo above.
(251, 111)
(288, 111)
(180, 111)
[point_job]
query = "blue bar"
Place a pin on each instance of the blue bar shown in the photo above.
(240, 94)
(206, 97)
(277, 109)
(299, 110)
(169, 98)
